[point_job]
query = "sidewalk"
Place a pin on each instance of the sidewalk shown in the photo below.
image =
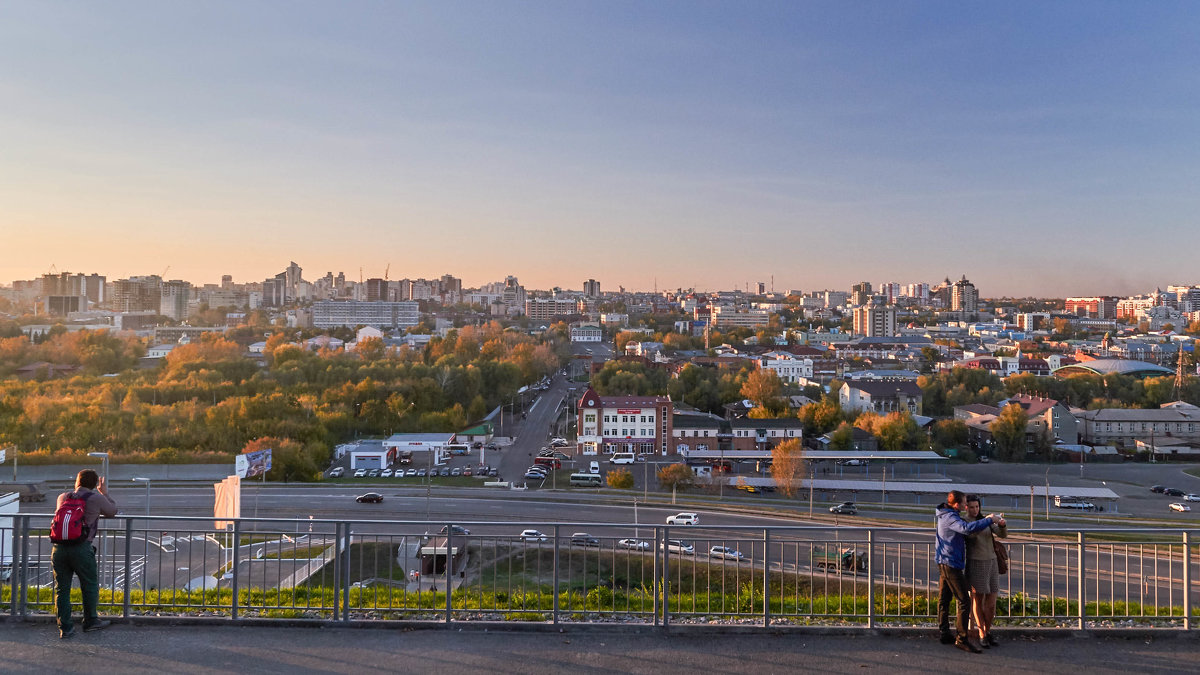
(35, 647)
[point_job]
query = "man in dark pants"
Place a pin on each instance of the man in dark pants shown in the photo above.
(951, 556)
(79, 559)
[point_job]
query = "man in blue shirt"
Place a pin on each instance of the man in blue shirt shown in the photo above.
(951, 557)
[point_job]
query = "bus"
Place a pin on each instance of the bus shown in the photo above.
(585, 480)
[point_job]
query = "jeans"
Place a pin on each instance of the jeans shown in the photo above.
(79, 560)
(953, 583)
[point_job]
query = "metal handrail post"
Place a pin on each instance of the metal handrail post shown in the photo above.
(870, 578)
(767, 577)
(655, 572)
(666, 575)
(233, 568)
(346, 573)
(128, 560)
(449, 568)
(18, 563)
(554, 616)
(1187, 580)
(24, 600)
(1082, 575)
(337, 570)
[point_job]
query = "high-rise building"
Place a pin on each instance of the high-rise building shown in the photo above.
(964, 297)
(138, 294)
(226, 282)
(377, 290)
(860, 293)
(875, 320)
(1102, 307)
(173, 302)
(591, 288)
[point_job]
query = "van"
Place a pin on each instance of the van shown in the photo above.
(622, 458)
(551, 462)
(585, 480)
(594, 467)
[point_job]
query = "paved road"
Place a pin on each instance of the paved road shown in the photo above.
(31, 647)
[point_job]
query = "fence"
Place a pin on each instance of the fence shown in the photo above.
(337, 571)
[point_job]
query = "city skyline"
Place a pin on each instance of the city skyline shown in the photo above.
(698, 145)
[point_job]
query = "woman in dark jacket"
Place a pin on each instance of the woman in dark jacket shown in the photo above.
(983, 571)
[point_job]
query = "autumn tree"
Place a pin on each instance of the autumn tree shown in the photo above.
(1008, 430)
(765, 389)
(675, 476)
(787, 466)
(622, 479)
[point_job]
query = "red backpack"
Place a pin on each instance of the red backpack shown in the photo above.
(69, 526)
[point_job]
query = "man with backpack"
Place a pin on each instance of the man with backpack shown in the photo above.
(72, 532)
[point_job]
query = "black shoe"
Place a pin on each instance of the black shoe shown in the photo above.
(967, 646)
(947, 638)
(990, 641)
(98, 624)
(66, 634)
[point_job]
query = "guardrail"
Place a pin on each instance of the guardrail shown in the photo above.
(338, 571)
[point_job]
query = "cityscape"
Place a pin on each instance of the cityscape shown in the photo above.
(624, 323)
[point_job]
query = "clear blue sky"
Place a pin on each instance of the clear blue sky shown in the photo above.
(1038, 148)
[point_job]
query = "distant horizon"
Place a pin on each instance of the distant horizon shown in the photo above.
(605, 287)
(1040, 149)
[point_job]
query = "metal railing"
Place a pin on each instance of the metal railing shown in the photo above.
(337, 571)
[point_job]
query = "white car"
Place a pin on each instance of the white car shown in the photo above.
(679, 546)
(634, 544)
(683, 519)
(1180, 506)
(533, 535)
(359, 473)
(336, 472)
(594, 467)
(558, 440)
(386, 473)
(726, 553)
(1186, 498)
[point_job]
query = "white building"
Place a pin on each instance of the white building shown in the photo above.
(353, 313)
(789, 367)
(587, 333)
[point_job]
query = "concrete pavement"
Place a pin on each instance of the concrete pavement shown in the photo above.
(35, 647)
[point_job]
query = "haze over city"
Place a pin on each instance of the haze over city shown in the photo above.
(1038, 149)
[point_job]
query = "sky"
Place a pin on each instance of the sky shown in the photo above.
(1047, 149)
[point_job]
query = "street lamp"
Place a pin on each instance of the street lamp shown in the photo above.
(139, 479)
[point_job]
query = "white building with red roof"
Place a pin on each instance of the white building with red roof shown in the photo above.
(638, 424)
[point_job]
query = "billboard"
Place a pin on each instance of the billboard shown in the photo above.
(253, 464)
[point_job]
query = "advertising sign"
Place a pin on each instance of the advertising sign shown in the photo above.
(253, 464)
(228, 502)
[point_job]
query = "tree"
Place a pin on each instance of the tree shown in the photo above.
(675, 476)
(1008, 430)
(764, 387)
(787, 466)
(842, 438)
(821, 417)
(621, 479)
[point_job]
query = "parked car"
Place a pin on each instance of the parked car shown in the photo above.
(1157, 489)
(369, 498)
(359, 473)
(410, 473)
(455, 471)
(456, 529)
(845, 508)
(558, 441)
(492, 446)
(634, 544)
(532, 535)
(420, 473)
(492, 473)
(445, 471)
(1191, 498)
(1174, 492)
(535, 475)
(336, 472)
(726, 553)
(468, 471)
(584, 539)
(679, 546)
(685, 518)
(853, 462)
(386, 473)
(594, 467)
(477, 445)
(983, 459)
(1180, 506)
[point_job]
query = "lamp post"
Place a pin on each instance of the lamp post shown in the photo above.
(140, 479)
(103, 457)
(1047, 495)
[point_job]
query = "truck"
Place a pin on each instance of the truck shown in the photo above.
(845, 559)
(30, 492)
